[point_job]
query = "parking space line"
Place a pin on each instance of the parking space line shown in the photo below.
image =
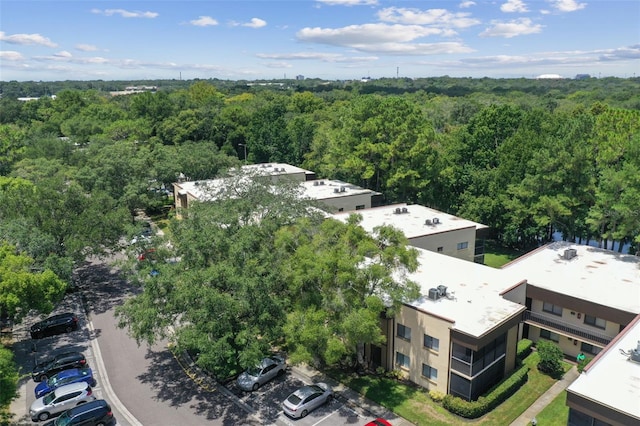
(327, 416)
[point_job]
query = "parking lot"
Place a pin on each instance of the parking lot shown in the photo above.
(267, 401)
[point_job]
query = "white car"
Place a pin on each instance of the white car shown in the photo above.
(306, 399)
(257, 376)
(60, 400)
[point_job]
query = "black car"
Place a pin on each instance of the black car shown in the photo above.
(56, 324)
(60, 362)
(92, 413)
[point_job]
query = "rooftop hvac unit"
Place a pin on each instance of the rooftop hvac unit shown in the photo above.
(398, 210)
(316, 183)
(442, 290)
(635, 353)
(428, 222)
(570, 253)
(405, 210)
(343, 189)
(336, 190)
(436, 220)
(434, 294)
(321, 182)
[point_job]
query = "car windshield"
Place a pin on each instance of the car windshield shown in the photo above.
(254, 371)
(48, 398)
(53, 380)
(63, 420)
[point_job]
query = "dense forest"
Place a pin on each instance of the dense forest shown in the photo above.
(527, 157)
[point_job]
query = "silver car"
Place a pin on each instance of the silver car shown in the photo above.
(306, 399)
(257, 376)
(60, 400)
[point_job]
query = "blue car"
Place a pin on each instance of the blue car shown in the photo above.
(73, 375)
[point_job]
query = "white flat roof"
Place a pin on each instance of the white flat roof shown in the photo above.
(595, 275)
(323, 189)
(203, 190)
(477, 306)
(613, 379)
(275, 168)
(412, 222)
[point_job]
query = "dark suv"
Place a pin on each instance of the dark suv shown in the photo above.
(56, 324)
(92, 413)
(60, 362)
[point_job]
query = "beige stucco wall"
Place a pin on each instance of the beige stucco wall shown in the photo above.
(420, 324)
(449, 242)
(348, 203)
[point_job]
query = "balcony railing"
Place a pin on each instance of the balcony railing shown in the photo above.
(552, 324)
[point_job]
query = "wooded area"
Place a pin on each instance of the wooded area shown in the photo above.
(529, 158)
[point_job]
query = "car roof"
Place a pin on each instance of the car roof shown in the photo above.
(73, 387)
(73, 372)
(305, 391)
(88, 406)
(78, 355)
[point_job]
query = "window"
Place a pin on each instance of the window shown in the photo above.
(551, 308)
(546, 334)
(439, 249)
(404, 332)
(586, 347)
(464, 245)
(360, 207)
(341, 209)
(596, 322)
(402, 360)
(431, 342)
(429, 372)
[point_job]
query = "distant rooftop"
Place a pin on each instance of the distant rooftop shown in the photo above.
(276, 169)
(323, 189)
(475, 305)
(595, 275)
(613, 378)
(413, 220)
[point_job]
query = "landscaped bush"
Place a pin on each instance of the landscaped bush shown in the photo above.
(582, 364)
(550, 358)
(484, 404)
(525, 347)
(436, 396)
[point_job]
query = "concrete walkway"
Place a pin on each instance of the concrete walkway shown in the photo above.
(546, 398)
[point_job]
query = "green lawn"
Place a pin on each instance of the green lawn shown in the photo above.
(556, 413)
(414, 404)
(497, 256)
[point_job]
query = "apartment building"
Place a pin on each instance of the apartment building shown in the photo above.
(460, 337)
(428, 229)
(338, 196)
(608, 392)
(580, 297)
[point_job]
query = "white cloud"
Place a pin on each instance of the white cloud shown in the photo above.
(125, 13)
(435, 17)
(11, 55)
(63, 54)
(466, 4)
(254, 23)
(349, 2)
(318, 56)
(512, 6)
(518, 27)
(27, 39)
(567, 5)
(366, 34)
(204, 21)
(86, 47)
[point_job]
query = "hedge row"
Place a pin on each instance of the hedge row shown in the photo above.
(525, 346)
(484, 404)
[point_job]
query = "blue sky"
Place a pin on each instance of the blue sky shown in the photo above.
(329, 39)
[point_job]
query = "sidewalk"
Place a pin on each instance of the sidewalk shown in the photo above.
(546, 398)
(352, 398)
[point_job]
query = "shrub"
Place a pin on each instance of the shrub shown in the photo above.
(582, 364)
(484, 404)
(550, 358)
(436, 396)
(395, 374)
(524, 349)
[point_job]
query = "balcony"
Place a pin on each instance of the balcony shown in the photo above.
(550, 323)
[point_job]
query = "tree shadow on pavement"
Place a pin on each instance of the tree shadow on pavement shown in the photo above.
(102, 286)
(171, 384)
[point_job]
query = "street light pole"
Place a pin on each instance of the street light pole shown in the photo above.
(245, 151)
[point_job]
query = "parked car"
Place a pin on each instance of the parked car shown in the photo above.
(306, 399)
(65, 377)
(56, 324)
(378, 422)
(51, 366)
(257, 376)
(60, 400)
(94, 413)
